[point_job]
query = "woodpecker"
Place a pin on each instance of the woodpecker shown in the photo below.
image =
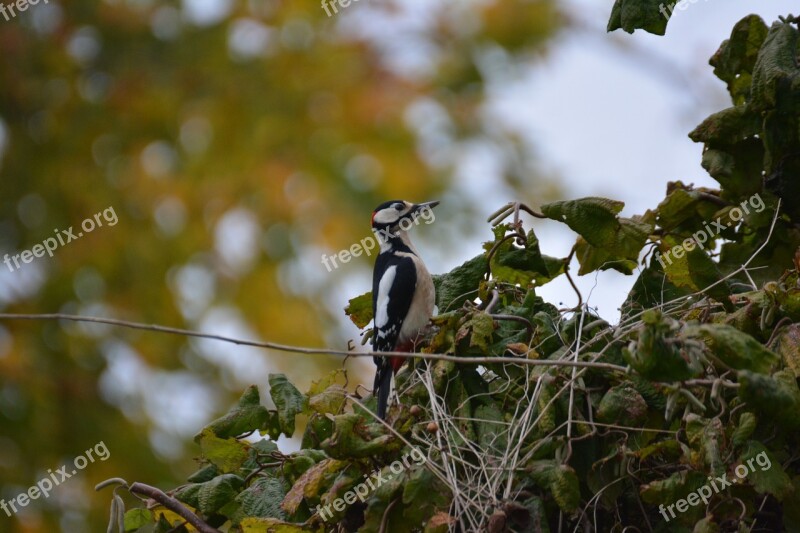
(402, 290)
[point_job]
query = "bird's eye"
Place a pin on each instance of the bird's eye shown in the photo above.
(399, 207)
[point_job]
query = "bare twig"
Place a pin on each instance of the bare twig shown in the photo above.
(307, 350)
(173, 505)
(567, 261)
(140, 489)
(779, 325)
(520, 319)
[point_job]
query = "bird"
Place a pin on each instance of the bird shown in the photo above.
(403, 295)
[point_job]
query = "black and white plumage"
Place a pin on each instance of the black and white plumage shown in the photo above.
(402, 291)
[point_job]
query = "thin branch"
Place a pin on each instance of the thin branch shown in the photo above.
(307, 350)
(567, 261)
(778, 326)
(492, 302)
(494, 249)
(173, 505)
(385, 519)
(710, 383)
(515, 318)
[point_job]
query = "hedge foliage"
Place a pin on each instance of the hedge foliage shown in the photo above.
(699, 382)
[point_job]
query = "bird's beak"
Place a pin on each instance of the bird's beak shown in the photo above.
(426, 205)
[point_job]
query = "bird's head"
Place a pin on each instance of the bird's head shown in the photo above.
(400, 215)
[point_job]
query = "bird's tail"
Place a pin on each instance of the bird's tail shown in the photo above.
(383, 381)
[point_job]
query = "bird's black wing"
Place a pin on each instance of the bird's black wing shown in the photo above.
(392, 293)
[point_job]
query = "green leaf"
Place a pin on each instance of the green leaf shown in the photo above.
(359, 309)
(727, 127)
(605, 241)
(648, 15)
(689, 267)
(440, 523)
(593, 218)
(546, 411)
(490, 427)
(309, 484)
(736, 167)
(622, 255)
(677, 207)
(522, 266)
(776, 63)
(271, 525)
(327, 396)
(460, 284)
(330, 400)
(423, 494)
(791, 508)
(591, 258)
(566, 489)
(668, 449)
(227, 454)
(706, 435)
(673, 488)
(622, 405)
(318, 428)
(650, 288)
(211, 496)
(735, 348)
(747, 424)
(352, 437)
(560, 480)
(765, 472)
(261, 499)
(206, 473)
(247, 416)
(706, 525)
(776, 397)
(299, 462)
(289, 401)
(136, 518)
(787, 345)
(654, 354)
(734, 61)
(323, 383)
(378, 511)
(482, 327)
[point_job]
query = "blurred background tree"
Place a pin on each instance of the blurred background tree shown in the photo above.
(236, 141)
